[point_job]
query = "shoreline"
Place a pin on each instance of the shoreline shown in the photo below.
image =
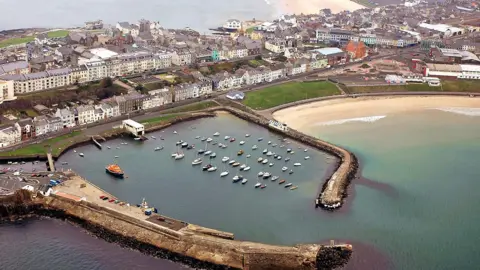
(313, 6)
(342, 110)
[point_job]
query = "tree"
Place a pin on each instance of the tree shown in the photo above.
(139, 87)
(106, 82)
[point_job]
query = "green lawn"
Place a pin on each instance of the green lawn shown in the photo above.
(447, 86)
(289, 92)
(16, 41)
(41, 148)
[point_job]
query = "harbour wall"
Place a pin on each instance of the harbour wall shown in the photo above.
(186, 245)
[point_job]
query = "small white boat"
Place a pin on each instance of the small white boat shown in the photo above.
(216, 134)
(288, 185)
(274, 145)
(293, 152)
(260, 139)
(227, 137)
(259, 159)
(108, 147)
(207, 153)
(175, 132)
(269, 153)
(174, 154)
(266, 175)
(287, 159)
(197, 161)
(74, 150)
(307, 157)
(242, 142)
(243, 166)
(237, 177)
(265, 151)
(269, 142)
(212, 169)
(213, 155)
(197, 137)
(247, 135)
(265, 161)
(270, 165)
(231, 161)
(116, 156)
(298, 164)
(180, 156)
(136, 139)
(81, 154)
(209, 139)
(282, 146)
(289, 150)
(279, 157)
(284, 169)
(223, 174)
(225, 159)
(158, 148)
(246, 169)
(274, 178)
(257, 185)
(260, 174)
(305, 150)
(118, 147)
(244, 181)
(248, 156)
(254, 147)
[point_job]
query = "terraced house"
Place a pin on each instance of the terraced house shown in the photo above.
(31, 82)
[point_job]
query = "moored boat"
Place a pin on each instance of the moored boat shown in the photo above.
(231, 162)
(254, 147)
(232, 139)
(265, 161)
(81, 154)
(260, 139)
(287, 159)
(281, 182)
(247, 135)
(284, 169)
(179, 156)
(212, 169)
(207, 153)
(274, 178)
(225, 159)
(260, 174)
(290, 172)
(158, 148)
(239, 153)
(244, 181)
(206, 167)
(298, 164)
(259, 159)
(227, 137)
(209, 139)
(197, 161)
(236, 164)
(269, 142)
(307, 157)
(265, 151)
(288, 185)
(257, 185)
(271, 164)
(184, 144)
(213, 155)
(242, 142)
(266, 175)
(223, 174)
(263, 186)
(293, 188)
(114, 170)
(269, 153)
(216, 134)
(246, 168)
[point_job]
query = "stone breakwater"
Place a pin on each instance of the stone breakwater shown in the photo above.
(334, 190)
(186, 245)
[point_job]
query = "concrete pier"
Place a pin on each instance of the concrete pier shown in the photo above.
(51, 165)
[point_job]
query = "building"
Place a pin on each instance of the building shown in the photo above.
(92, 25)
(356, 50)
(276, 45)
(182, 58)
(163, 61)
(26, 128)
(236, 95)
(333, 55)
(186, 91)
(129, 103)
(55, 124)
(41, 124)
(9, 136)
(6, 91)
(233, 24)
(85, 114)
(26, 83)
(471, 72)
(444, 30)
(13, 68)
(335, 35)
(165, 95)
(67, 117)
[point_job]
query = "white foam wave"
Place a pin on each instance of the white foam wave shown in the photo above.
(367, 119)
(460, 110)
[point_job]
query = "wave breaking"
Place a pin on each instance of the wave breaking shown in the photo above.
(367, 119)
(461, 110)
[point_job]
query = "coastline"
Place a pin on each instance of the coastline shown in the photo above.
(314, 6)
(333, 111)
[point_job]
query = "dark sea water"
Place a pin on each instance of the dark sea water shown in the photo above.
(415, 208)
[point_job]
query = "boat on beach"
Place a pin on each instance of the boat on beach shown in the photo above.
(114, 170)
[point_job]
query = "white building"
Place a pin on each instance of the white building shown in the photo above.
(276, 45)
(445, 30)
(85, 114)
(67, 116)
(133, 127)
(10, 135)
(471, 72)
(26, 83)
(163, 60)
(182, 58)
(233, 24)
(6, 91)
(12, 68)
(41, 125)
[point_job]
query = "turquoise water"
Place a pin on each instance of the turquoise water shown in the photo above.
(415, 209)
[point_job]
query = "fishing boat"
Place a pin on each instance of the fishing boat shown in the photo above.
(236, 164)
(254, 147)
(265, 161)
(239, 153)
(207, 153)
(213, 155)
(287, 159)
(216, 134)
(270, 164)
(293, 188)
(242, 142)
(259, 159)
(232, 139)
(307, 157)
(231, 162)
(227, 137)
(197, 161)
(212, 169)
(284, 169)
(184, 144)
(266, 175)
(257, 185)
(260, 139)
(260, 174)
(244, 181)
(209, 139)
(298, 164)
(290, 172)
(81, 154)
(114, 170)
(269, 142)
(225, 159)
(247, 135)
(281, 182)
(263, 186)
(206, 167)
(265, 151)
(274, 178)
(190, 147)
(288, 185)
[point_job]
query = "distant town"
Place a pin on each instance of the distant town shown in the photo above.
(52, 80)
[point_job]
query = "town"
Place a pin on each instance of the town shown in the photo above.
(54, 80)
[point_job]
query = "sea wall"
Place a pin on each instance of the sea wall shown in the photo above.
(185, 246)
(334, 189)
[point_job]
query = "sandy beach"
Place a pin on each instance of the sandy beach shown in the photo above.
(314, 6)
(370, 108)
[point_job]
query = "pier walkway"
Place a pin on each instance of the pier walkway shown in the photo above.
(51, 165)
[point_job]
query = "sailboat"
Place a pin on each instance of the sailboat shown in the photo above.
(224, 172)
(197, 161)
(246, 168)
(237, 177)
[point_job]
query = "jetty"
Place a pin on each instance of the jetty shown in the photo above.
(107, 217)
(95, 141)
(51, 164)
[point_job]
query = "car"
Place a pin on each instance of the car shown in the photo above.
(105, 198)
(111, 200)
(101, 197)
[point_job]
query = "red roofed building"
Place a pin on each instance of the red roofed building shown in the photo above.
(356, 50)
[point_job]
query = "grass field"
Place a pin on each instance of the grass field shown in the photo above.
(16, 41)
(289, 92)
(57, 144)
(447, 86)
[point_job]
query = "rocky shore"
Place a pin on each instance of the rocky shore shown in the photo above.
(198, 251)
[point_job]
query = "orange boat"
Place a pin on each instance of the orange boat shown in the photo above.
(114, 170)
